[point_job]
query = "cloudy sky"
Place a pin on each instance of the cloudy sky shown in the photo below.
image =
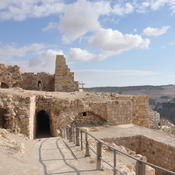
(105, 42)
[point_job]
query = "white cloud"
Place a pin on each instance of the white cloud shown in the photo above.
(81, 17)
(123, 9)
(112, 40)
(8, 52)
(19, 10)
(155, 31)
(155, 5)
(31, 58)
(82, 55)
(109, 42)
(143, 7)
(111, 73)
(51, 25)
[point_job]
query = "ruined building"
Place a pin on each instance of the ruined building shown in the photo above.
(46, 102)
(62, 80)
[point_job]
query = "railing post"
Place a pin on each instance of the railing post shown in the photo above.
(98, 165)
(115, 161)
(81, 140)
(140, 168)
(70, 134)
(67, 133)
(61, 133)
(77, 137)
(64, 133)
(73, 134)
(87, 146)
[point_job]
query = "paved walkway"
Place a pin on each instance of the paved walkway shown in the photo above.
(56, 158)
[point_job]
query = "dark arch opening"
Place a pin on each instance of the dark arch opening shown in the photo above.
(2, 120)
(16, 85)
(42, 124)
(39, 84)
(4, 85)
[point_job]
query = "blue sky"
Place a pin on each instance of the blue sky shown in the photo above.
(105, 42)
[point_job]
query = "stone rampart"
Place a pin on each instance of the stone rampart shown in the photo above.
(157, 152)
(19, 111)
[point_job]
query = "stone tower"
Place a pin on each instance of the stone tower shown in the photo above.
(64, 79)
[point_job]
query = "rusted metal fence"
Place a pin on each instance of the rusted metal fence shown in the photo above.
(75, 134)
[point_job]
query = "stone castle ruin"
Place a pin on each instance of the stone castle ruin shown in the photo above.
(62, 80)
(43, 103)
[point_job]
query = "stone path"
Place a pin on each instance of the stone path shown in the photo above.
(56, 159)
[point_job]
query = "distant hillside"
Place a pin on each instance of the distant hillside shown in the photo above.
(123, 89)
(167, 111)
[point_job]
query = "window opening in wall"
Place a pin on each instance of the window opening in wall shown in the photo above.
(4, 85)
(39, 84)
(84, 114)
(42, 124)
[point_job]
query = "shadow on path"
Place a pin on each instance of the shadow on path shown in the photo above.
(62, 158)
(40, 158)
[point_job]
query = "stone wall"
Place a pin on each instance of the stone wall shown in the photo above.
(20, 109)
(10, 76)
(17, 115)
(119, 111)
(40, 81)
(140, 109)
(64, 79)
(158, 153)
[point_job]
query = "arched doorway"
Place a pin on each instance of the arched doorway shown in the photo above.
(39, 84)
(4, 85)
(42, 124)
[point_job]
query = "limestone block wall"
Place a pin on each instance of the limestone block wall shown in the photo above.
(119, 111)
(10, 76)
(64, 79)
(158, 153)
(140, 109)
(17, 115)
(40, 81)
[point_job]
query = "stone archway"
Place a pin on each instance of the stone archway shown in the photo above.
(4, 85)
(2, 120)
(42, 124)
(88, 118)
(16, 85)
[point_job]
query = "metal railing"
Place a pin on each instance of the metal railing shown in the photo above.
(75, 134)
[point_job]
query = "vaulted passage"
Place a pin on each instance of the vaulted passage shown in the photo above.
(2, 121)
(5, 86)
(42, 124)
